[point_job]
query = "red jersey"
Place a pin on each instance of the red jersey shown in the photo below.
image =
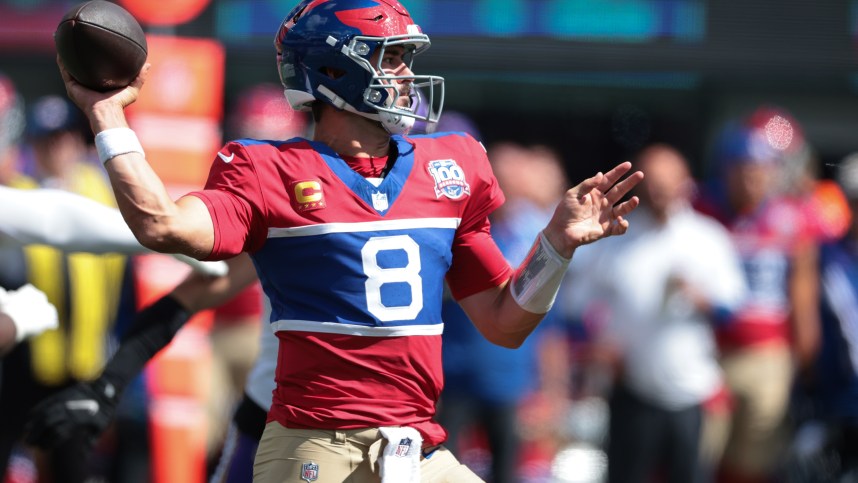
(355, 271)
(767, 240)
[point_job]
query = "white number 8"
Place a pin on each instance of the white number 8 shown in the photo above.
(378, 276)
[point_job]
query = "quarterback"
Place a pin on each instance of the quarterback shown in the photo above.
(353, 234)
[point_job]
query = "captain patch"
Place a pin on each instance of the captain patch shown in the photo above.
(307, 195)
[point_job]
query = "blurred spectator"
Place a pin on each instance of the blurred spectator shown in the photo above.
(261, 111)
(486, 385)
(825, 207)
(56, 133)
(826, 444)
(662, 287)
(11, 128)
(798, 171)
(776, 331)
(85, 288)
(12, 121)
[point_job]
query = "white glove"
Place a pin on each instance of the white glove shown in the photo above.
(30, 311)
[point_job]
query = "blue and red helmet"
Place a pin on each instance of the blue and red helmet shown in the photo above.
(739, 144)
(767, 136)
(323, 36)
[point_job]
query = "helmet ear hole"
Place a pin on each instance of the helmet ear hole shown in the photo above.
(332, 72)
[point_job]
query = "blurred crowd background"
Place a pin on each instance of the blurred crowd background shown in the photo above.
(716, 341)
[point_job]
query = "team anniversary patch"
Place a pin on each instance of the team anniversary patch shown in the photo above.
(449, 179)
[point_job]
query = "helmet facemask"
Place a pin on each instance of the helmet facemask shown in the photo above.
(425, 92)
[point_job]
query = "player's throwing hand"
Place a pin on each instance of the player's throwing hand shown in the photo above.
(591, 210)
(108, 104)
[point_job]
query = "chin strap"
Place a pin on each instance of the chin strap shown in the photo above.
(396, 123)
(392, 123)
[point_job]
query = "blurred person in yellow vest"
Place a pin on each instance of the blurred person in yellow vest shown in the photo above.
(23, 313)
(86, 289)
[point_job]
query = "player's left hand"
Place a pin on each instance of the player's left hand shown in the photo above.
(591, 210)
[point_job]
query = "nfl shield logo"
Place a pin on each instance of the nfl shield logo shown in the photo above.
(379, 201)
(309, 471)
(402, 448)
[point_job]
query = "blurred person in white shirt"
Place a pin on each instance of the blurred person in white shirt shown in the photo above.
(661, 289)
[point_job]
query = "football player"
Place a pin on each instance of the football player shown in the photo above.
(352, 234)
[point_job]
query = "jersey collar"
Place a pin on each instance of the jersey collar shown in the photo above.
(390, 187)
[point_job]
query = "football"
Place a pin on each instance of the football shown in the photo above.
(101, 45)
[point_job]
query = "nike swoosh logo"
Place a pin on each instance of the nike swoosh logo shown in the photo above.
(226, 159)
(89, 405)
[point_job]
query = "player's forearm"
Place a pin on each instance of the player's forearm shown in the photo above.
(508, 313)
(152, 329)
(499, 318)
(140, 194)
(106, 114)
(158, 222)
(513, 324)
(144, 203)
(562, 244)
(199, 292)
(151, 214)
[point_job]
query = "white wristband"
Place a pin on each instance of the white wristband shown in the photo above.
(535, 284)
(113, 142)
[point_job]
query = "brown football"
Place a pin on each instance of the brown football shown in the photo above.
(101, 45)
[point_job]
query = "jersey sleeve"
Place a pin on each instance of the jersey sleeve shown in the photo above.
(233, 196)
(478, 263)
(486, 195)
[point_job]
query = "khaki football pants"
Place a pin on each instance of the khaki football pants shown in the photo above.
(754, 436)
(348, 456)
